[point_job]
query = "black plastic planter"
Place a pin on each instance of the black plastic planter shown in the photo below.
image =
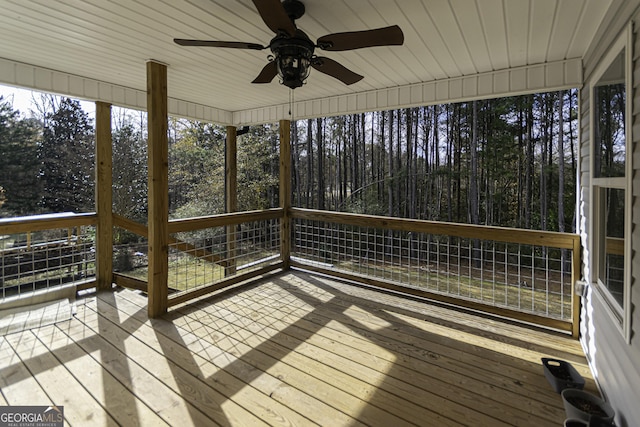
(581, 405)
(593, 422)
(575, 423)
(561, 374)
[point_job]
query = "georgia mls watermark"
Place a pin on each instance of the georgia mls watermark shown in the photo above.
(31, 416)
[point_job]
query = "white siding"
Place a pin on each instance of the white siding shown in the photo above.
(110, 41)
(45, 80)
(614, 362)
(516, 81)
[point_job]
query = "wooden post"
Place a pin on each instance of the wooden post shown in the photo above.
(285, 192)
(158, 182)
(104, 228)
(231, 194)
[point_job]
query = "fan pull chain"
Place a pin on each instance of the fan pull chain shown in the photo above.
(291, 101)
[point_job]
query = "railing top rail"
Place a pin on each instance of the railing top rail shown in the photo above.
(45, 222)
(483, 232)
(199, 223)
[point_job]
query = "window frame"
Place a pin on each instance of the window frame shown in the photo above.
(620, 315)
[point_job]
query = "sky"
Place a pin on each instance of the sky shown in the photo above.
(22, 100)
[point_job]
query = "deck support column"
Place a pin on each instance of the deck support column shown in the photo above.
(231, 194)
(104, 197)
(285, 192)
(158, 193)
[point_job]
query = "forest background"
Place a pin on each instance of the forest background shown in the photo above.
(508, 161)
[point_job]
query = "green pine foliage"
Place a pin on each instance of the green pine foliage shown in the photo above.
(129, 174)
(67, 153)
(258, 168)
(413, 163)
(196, 169)
(19, 164)
(417, 162)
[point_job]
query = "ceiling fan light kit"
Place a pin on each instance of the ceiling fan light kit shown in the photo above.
(293, 58)
(293, 51)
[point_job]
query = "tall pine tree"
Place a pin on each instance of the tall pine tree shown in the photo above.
(67, 157)
(19, 166)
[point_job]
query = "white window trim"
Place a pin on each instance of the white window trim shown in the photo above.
(621, 317)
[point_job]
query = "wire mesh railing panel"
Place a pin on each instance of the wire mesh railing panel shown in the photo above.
(204, 257)
(38, 260)
(523, 277)
(130, 254)
(614, 276)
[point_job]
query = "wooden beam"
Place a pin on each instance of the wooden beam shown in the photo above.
(130, 282)
(104, 167)
(231, 190)
(158, 195)
(285, 192)
(129, 225)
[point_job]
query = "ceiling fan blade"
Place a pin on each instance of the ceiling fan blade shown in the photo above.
(213, 43)
(386, 36)
(336, 70)
(267, 74)
(274, 15)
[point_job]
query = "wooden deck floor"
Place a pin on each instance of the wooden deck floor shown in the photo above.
(292, 350)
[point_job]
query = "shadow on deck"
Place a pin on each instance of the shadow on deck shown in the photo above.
(292, 349)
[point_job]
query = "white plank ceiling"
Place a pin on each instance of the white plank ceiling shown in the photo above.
(110, 41)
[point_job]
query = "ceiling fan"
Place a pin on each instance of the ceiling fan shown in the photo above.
(293, 51)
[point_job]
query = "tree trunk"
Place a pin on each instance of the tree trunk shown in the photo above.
(529, 164)
(473, 178)
(390, 188)
(296, 162)
(310, 174)
(561, 162)
(321, 161)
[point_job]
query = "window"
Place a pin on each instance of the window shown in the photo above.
(611, 181)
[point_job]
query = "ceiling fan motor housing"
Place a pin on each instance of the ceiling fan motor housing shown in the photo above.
(294, 8)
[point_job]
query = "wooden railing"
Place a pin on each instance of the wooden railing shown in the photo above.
(225, 263)
(43, 251)
(524, 274)
(249, 247)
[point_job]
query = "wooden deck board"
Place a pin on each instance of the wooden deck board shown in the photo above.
(365, 358)
(296, 346)
(182, 348)
(126, 366)
(255, 363)
(120, 403)
(57, 381)
(185, 396)
(413, 355)
(526, 343)
(16, 382)
(439, 316)
(347, 395)
(292, 350)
